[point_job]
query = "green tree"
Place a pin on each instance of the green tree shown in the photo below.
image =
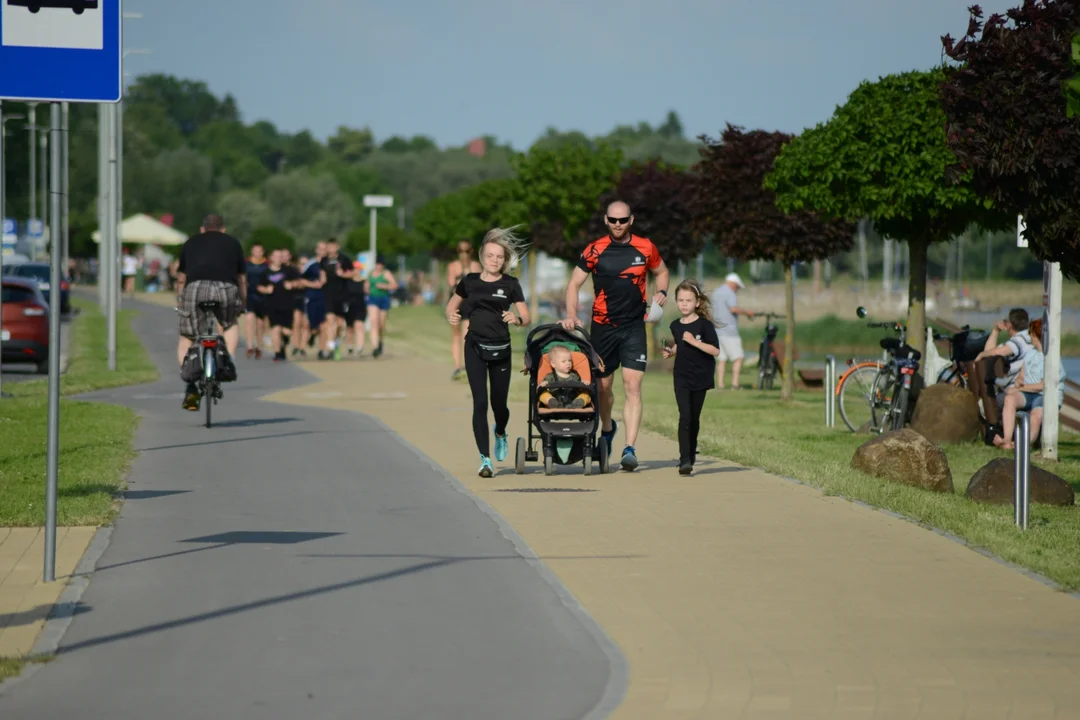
(309, 207)
(730, 204)
(244, 211)
(351, 145)
(1072, 85)
(1008, 124)
(883, 155)
(391, 241)
(271, 238)
(561, 189)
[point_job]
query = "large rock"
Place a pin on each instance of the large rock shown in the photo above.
(905, 456)
(947, 414)
(995, 482)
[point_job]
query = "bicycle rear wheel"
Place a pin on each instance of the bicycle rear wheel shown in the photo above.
(856, 397)
(210, 370)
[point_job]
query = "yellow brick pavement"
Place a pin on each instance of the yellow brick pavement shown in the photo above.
(25, 599)
(736, 594)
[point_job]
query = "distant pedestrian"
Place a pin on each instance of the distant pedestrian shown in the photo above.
(695, 347)
(725, 310)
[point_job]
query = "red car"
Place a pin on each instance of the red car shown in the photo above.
(24, 332)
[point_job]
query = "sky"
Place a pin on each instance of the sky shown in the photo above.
(455, 70)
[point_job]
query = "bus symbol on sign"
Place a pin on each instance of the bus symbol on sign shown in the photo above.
(76, 6)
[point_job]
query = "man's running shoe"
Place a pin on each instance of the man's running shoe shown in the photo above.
(486, 470)
(629, 459)
(501, 447)
(191, 397)
(609, 437)
(686, 467)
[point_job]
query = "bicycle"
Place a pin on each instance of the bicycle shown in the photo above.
(209, 384)
(964, 347)
(768, 363)
(884, 386)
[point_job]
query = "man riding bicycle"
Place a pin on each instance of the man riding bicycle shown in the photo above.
(212, 268)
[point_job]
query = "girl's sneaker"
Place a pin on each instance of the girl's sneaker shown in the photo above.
(501, 447)
(486, 470)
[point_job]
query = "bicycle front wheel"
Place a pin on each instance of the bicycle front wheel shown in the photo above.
(855, 397)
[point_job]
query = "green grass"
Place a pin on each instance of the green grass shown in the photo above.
(95, 439)
(10, 667)
(754, 428)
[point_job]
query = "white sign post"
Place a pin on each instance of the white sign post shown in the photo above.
(1051, 381)
(375, 202)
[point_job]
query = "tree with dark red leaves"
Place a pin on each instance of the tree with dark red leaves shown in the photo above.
(1008, 125)
(659, 195)
(731, 204)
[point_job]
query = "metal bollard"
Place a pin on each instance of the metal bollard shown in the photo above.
(1022, 470)
(830, 391)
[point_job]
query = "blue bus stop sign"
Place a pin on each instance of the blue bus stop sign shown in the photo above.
(61, 50)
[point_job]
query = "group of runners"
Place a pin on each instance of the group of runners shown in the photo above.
(326, 297)
(322, 301)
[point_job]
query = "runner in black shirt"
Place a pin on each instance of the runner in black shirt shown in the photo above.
(281, 280)
(255, 317)
(356, 308)
(619, 264)
(695, 347)
(491, 294)
(336, 265)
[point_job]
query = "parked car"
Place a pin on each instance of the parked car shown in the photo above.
(24, 330)
(76, 6)
(41, 272)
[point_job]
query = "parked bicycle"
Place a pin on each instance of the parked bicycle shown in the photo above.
(964, 347)
(883, 387)
(768, 363)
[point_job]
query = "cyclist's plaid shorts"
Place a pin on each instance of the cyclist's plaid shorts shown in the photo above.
(226, 294)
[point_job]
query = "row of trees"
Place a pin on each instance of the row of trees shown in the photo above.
(187, 150)
(922, 155)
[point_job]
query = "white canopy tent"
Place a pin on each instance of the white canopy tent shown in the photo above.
(144, 230)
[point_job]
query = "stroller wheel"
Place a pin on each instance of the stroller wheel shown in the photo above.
(605, 461)
(549, 465)
(519, 456)
(588, 464)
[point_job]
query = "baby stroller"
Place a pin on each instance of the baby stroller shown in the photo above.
(567, 435)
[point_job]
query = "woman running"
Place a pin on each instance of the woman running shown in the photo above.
(488, 297)
(380, 283)
(456, 270)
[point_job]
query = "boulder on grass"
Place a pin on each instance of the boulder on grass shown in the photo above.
(947, 414)
(995, 483)
(905, 456)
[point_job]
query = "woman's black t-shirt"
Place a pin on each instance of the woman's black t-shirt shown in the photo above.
(281, 298)
(485, 303)
(695, 369)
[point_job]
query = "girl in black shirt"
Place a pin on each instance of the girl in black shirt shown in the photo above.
(695, 348)
(487, 298)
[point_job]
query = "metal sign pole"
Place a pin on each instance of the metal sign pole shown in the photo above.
(830, 391)
(108, 236)
(1021, 470)
(55, 241)
(65, 184)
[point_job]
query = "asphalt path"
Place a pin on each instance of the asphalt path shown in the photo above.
(299, 562)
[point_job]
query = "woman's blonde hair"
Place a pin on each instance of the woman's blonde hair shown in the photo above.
(513, 246)
(704, 307)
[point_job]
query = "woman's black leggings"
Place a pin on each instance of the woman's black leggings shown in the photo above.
(690, 403)
(479, 372)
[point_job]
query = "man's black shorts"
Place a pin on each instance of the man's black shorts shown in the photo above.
(356, 309)
(280, 317)
(256, 304)
(337, 305)
(626, 345)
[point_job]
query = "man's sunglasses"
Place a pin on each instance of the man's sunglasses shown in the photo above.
(618, 221)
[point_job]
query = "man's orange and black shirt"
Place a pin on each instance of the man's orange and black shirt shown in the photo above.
(619, 271)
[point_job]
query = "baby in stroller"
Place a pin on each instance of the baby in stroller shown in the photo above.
(562, 371)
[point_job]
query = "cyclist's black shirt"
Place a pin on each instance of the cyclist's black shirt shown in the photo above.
(212, 256)
(486, 302)
(619, 270)
(695, 369)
